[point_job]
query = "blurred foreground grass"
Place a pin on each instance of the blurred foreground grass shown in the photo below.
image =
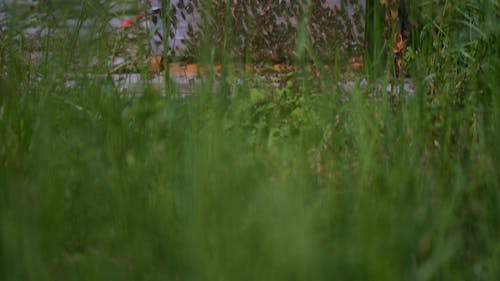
(250, 182)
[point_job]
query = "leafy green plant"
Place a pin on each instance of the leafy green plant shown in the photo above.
(255, 176)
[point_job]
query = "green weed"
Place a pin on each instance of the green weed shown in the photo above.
(248, 181)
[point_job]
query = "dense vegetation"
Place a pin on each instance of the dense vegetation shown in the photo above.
(306, 178)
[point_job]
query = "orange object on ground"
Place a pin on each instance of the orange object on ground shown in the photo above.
(131, 21)
(398, 54)
(156, 64)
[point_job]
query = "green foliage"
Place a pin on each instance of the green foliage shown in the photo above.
(262, 178)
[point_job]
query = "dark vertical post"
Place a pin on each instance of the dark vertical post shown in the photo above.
(404, 20)
(375, 50)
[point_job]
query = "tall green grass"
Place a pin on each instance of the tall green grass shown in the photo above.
(248, 182)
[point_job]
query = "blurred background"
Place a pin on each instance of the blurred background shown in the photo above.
(316, 171)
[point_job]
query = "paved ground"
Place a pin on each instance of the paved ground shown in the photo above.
(186, 81)
(185, 84)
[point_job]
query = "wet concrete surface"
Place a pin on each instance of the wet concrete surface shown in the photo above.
(185, 84)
